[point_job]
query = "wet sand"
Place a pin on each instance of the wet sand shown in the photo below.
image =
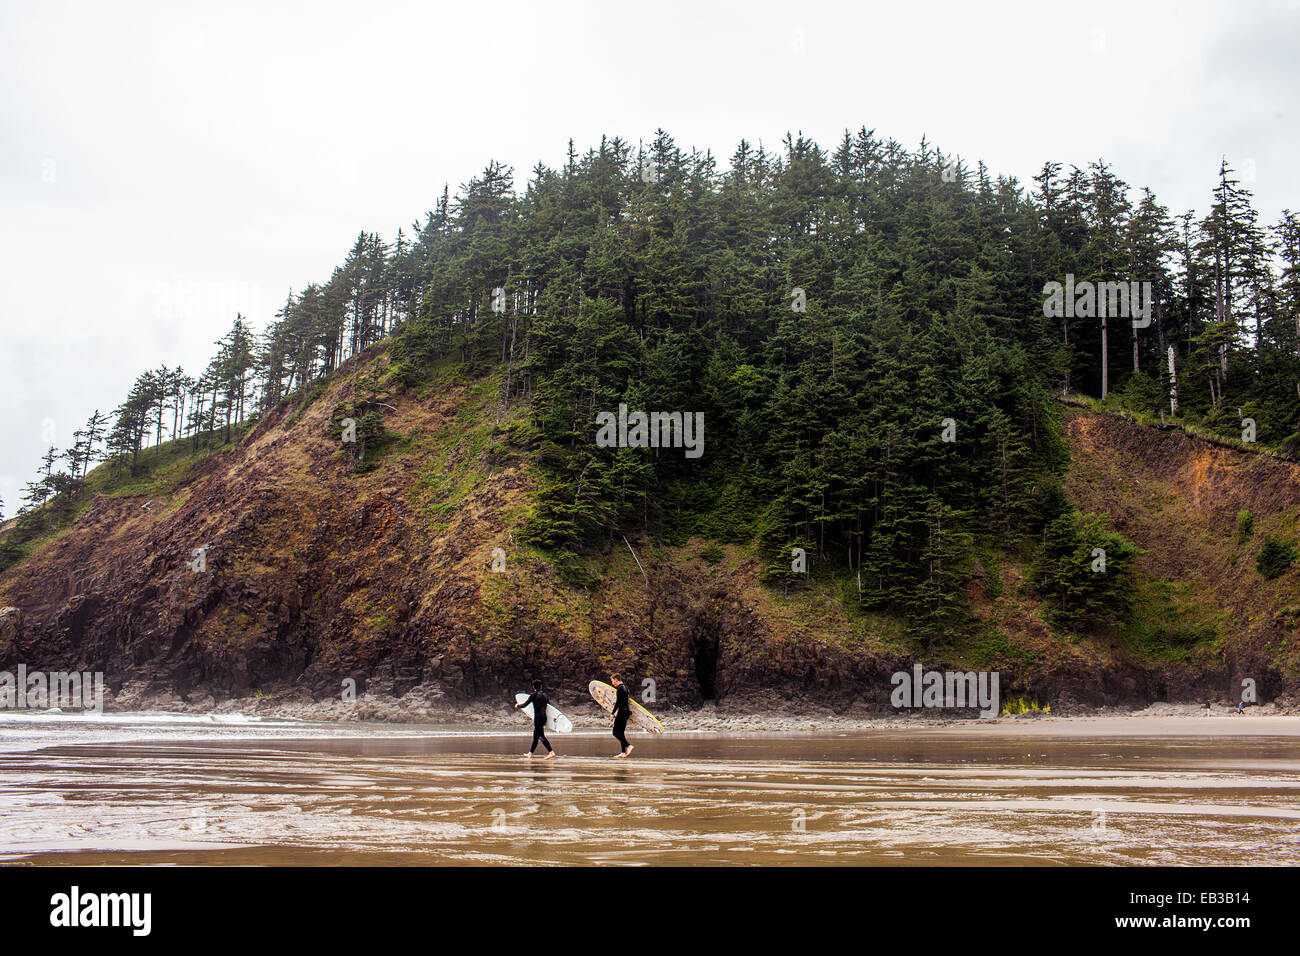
(1109, 790)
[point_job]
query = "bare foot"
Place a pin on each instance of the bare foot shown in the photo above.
(630, 748)
(529, 754)
(619, 756)
(550, 755)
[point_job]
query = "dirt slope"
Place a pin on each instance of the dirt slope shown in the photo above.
(1178, 497)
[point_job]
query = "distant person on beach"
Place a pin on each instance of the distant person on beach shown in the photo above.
(539, 700)
(622, 711)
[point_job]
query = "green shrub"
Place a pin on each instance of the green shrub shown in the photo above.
(1142, 394)
(1083, 571)
(405, 373)
(371, 435)
(1274, 557)
(572, 570)
(778, 569)
(1023, 705)
(988, 561)
(1245, 525)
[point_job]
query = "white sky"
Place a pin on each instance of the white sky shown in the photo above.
(206, 157)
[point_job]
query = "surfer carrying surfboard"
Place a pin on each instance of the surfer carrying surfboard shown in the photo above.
(619, 717)
(539, 700)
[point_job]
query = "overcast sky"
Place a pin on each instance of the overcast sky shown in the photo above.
(163, 165)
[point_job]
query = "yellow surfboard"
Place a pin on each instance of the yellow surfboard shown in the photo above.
(605, 695)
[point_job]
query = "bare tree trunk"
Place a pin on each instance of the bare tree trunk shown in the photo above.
(1105, 360)
(1173, 383)
(1065, 328)
(1160, 329)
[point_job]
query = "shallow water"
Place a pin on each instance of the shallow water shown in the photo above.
(175, 789)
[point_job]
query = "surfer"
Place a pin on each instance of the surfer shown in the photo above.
(622, 711)
(539, 700)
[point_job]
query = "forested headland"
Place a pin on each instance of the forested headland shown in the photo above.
(863, 328)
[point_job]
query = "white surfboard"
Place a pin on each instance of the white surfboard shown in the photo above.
(555, 720)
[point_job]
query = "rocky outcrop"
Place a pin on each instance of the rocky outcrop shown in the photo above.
(10, 627)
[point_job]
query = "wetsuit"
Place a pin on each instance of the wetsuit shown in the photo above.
(539, 700)
(622, 711)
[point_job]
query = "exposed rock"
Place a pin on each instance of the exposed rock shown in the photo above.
(10, 626)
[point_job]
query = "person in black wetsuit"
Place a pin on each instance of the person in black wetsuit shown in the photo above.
(539, 700)
(622, 711)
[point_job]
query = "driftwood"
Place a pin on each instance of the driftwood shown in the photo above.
(637, 560)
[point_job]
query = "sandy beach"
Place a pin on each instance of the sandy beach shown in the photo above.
(207, 789)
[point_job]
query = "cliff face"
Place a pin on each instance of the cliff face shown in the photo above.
(313, 573)
(310, 571)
